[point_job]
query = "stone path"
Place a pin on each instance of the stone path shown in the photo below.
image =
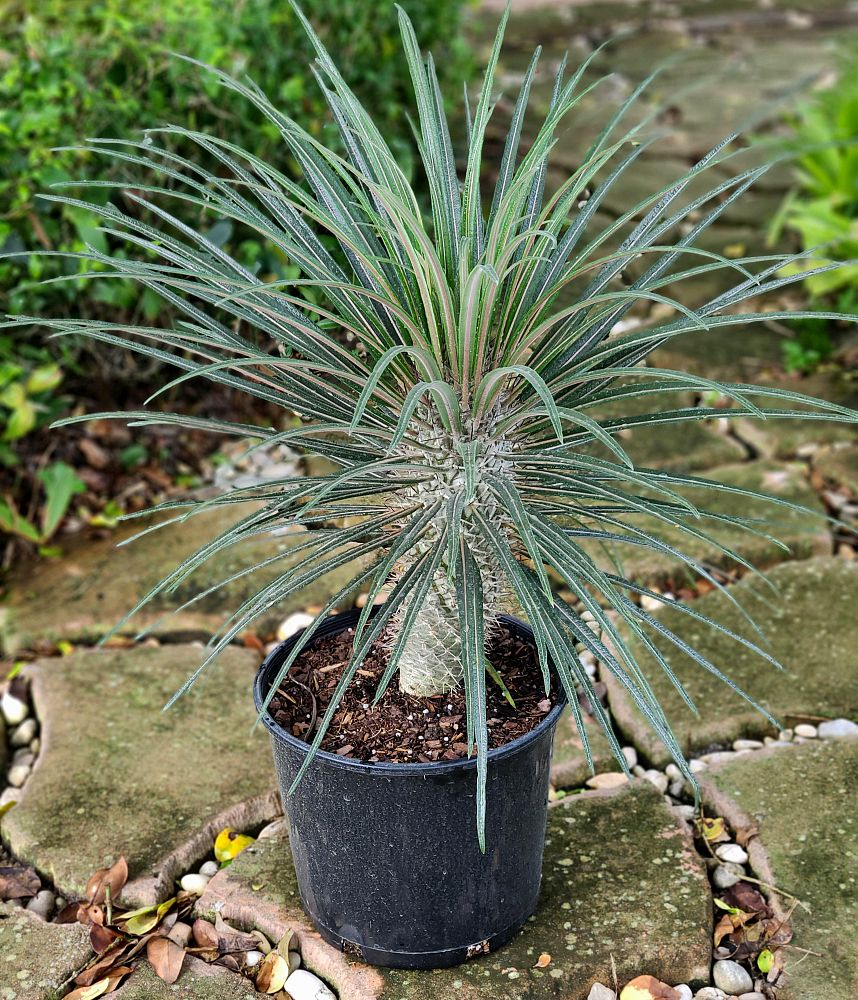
(625, 887)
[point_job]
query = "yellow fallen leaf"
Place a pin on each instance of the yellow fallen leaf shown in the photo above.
(273, 973)
(543, 960)
(229, 844)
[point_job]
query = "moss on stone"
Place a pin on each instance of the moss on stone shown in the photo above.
(117, 775)
(811, 626)
(803, 802)
(37, 959)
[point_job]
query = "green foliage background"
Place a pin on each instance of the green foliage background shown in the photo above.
(71, 70)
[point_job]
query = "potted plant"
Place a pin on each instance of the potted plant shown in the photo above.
(453, 371)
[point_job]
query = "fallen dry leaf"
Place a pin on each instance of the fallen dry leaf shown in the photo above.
(165, 957)
(107, 881)
(90, 992)
(17, 882)
(229, 844)
(648, 988)
(205, 934)
(543, 960)
(273, 973)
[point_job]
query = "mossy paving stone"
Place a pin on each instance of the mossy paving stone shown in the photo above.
(569, 767)
(730, 353)
(786, 438)
(812, 629)
(197, 981)
(621, 881)
(87, 592)
(838, 468)
(116, 775)
(37, 959)
(805, 534)
(802, 800)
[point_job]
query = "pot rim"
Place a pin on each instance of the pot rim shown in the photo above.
(434, 768)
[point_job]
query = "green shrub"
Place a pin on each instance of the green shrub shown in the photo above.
(70, 70)
(822, 209)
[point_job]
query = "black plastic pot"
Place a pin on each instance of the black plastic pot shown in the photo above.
(386, 855)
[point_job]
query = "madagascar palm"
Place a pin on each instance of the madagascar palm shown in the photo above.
(459, 409)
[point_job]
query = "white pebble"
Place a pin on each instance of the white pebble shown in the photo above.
(194, 883)
(253, 958)
(676, 787)
(696, 766)
(747, 745)
(18, 774)
(631, 756)
(726, 875)
(600, 992)
(752, 996)
(35, 746)
(611, 779)
(718, 757)
(294, 623)
(781, 743)
(732, 852)
(685, 811)
(710, 993)
(42, 903)
(657, 778)
(638, 771)
(23, 757)
(14, 710)
(23, 734)
(209, 868)
(303, 985)
(684, 991)
(731, 977)
(837, 729)
(785, 734)
(673, 772)
(180, 933)
(650, 603)
(9, 795)
(806, 731)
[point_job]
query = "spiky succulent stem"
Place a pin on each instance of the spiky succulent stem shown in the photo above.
(431, 660)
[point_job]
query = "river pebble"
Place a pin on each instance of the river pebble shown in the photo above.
(752, 996)
(732, 852)
(837, 729)
(303, 985)
(697, 765)
(684, 991)
(14, 710)
(732, 978)
(42, 903)
(726, 875)
(253, 958)
(293, 623)
(710, 993)
(600, 992)
(657, 778)
(611, 779)
(193, 882)
(718, 757)
(747, 744)
(180, 933)
(18, 774)
(23, 735)
(209, 868)
(806, 731)
(631, 756)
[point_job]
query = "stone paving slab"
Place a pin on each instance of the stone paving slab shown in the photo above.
(838, 468)
(788, 438)
(805, 534)
(36, 958)
(569, 768)
(733, 354)
(802, 800)
(621, 882)
(87, 592)
(812, 627)
(685, 447)
(116, 775)
(197, 981)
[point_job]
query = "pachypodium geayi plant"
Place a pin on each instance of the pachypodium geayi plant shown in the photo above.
(453, 369)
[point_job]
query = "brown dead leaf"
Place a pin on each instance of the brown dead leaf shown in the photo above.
(107, 965)
(543, 961)
(90, 992)
(17, 882)
(743, 896)
(107, 880)
(165, 957)
(101, 938)
(68, 914)
(745, 834)
(205, 935)
(230, 962)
